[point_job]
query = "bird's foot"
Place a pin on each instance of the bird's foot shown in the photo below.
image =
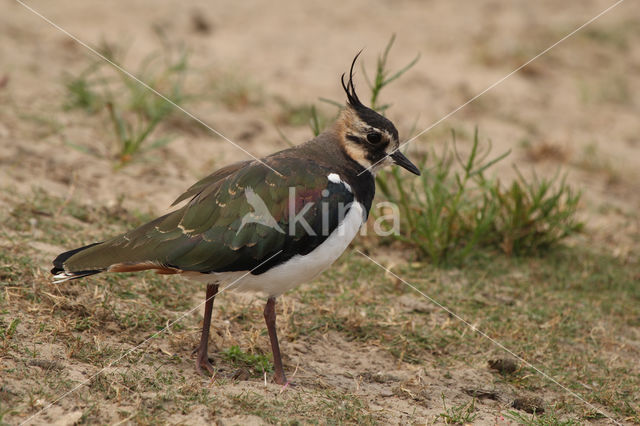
(202, 362)
(282, 380)
(288, 384)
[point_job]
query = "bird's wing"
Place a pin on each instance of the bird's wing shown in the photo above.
(208, 234)
(210, 181)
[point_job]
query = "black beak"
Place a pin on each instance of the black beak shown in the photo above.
(404, 162)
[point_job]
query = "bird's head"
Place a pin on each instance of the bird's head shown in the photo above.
(366, 136)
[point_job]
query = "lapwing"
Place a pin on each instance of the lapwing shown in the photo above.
(266, 226)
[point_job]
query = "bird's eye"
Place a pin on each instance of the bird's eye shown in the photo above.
(374, 137)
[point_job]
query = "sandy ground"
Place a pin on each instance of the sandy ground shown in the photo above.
(579, 102)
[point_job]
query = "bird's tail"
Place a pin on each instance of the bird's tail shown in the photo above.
(143, 248)
(60, 274)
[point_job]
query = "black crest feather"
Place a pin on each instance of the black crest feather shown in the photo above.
(349, 88)
(366, 114)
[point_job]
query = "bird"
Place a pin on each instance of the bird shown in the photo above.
(264, 225)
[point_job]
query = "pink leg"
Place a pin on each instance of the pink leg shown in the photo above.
(202, 361)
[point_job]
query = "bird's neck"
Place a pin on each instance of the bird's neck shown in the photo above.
(326, 150)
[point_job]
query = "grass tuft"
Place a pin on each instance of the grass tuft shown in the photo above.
(6, 333)
(453, 209)
(133, 110)
(257, 363)
(82, 92)
(458, 414)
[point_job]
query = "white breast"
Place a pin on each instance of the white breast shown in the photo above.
(298, 269)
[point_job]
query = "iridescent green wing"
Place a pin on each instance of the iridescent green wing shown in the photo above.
(241, 219)
(257, 216)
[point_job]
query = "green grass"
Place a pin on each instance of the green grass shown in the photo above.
(83, 90)
(7, 332)
(455, 211)
(458, 414)
(383, 76)
(256, 363)
(134, 111)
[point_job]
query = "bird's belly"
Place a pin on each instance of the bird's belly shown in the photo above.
(298, 269)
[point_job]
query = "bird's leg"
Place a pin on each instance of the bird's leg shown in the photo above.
(202, 361)
(270, 319)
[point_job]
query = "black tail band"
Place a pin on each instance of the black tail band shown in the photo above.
(58, 262)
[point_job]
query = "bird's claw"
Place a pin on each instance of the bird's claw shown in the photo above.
(204, 363)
